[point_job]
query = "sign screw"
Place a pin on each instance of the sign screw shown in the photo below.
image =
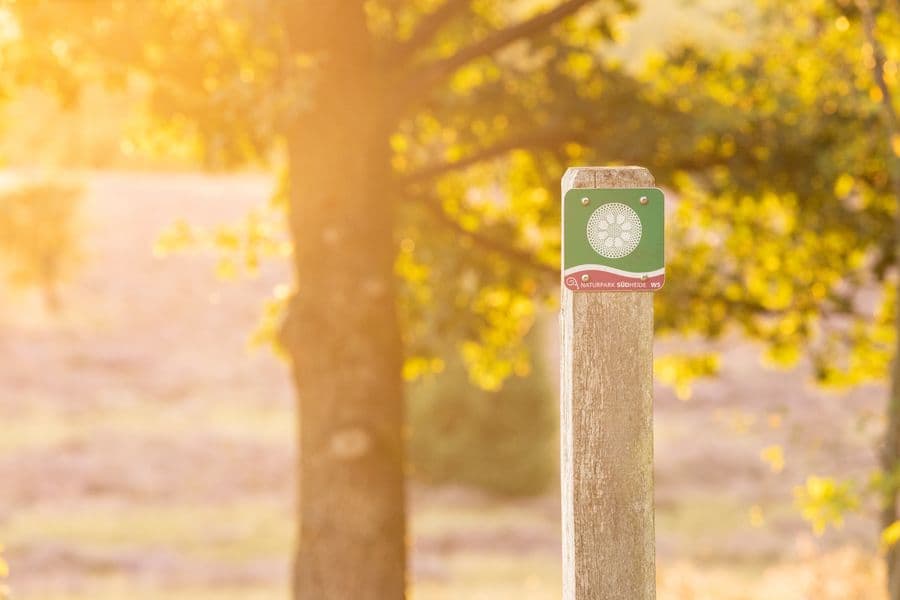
(585, 201)
(645, 200)
(585, 278)
(644, 277)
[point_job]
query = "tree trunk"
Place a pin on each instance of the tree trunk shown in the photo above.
(343, 333)
(890, 463)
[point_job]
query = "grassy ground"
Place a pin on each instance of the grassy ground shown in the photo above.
(148, 454)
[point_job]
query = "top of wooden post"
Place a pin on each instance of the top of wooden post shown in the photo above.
(607, 177)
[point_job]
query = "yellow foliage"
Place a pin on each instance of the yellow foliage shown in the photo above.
(891, 535)
(783, 355)
(268, 328)
(580, 65)
(416, 367)
(226, 269)
(681, 371)
(506, 316)
(4, 573)
(472, 76)
(824, 501)
(774, 456)
(238, 248)
(177, 237)
(757, 517)
(844, 185)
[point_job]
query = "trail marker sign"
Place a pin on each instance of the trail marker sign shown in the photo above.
(613, 240)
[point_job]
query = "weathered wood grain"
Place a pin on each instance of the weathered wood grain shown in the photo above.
(607, 429)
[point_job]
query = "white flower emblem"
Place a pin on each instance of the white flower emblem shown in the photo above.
(614, 230)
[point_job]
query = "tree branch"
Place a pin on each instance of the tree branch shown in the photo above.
(892, 122)
(437, 71)
(516, 255)
(427, 27)
(534, 140)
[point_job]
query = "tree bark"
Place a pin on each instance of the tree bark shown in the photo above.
(342, 332)
(890, 458)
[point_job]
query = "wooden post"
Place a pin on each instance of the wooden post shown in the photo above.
(607, 429)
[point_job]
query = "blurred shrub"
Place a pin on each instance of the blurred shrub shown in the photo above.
(39, 236)
(502, 441)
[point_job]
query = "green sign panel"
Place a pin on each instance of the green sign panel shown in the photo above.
(614, 240)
